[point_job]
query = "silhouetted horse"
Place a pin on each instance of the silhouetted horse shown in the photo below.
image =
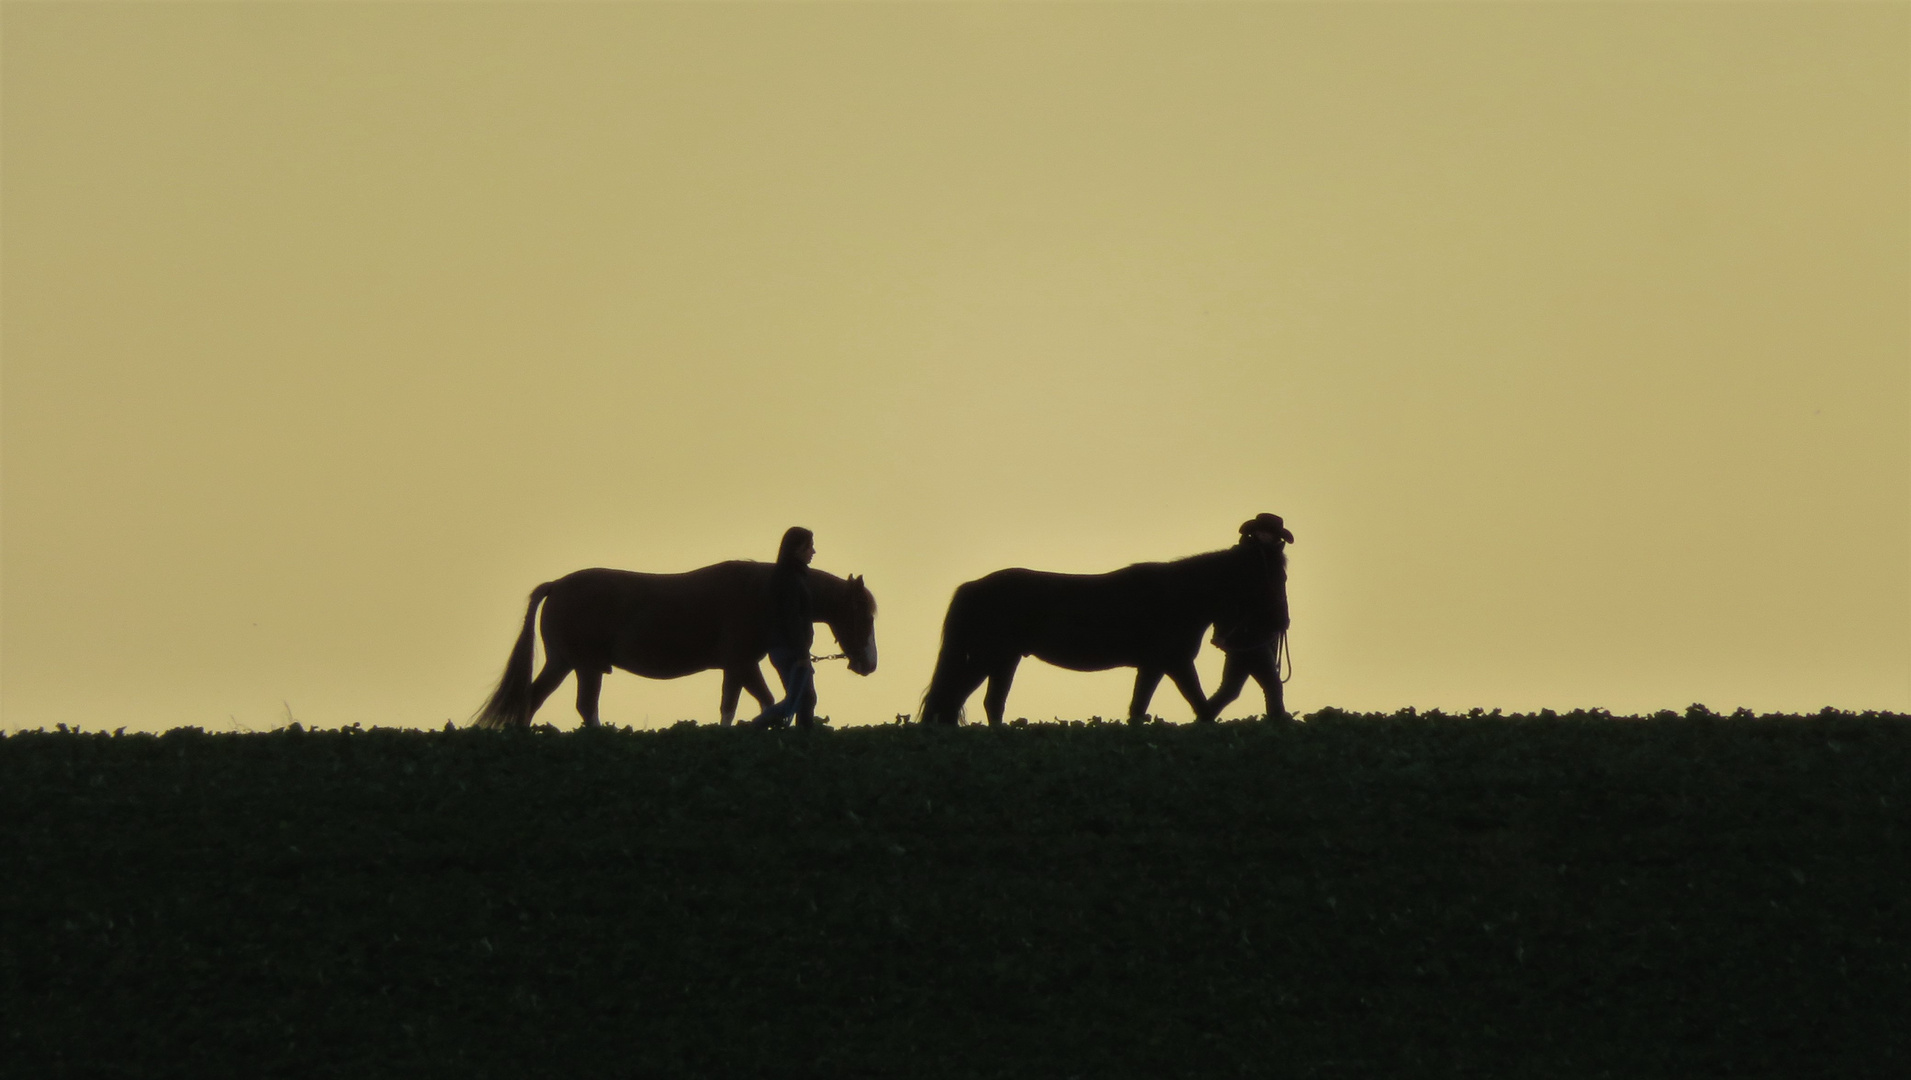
(1149, 616)
(666, 626)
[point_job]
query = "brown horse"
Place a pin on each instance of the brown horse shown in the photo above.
(1149, 616)
(666, 626)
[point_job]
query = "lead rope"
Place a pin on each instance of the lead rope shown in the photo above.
(815, 659)
(1283, 671)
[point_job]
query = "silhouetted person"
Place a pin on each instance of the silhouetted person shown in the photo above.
(792, 629)
(1252, 642)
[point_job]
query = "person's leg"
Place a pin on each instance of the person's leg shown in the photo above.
(793, 668)
(802, 691)
(1266, 669)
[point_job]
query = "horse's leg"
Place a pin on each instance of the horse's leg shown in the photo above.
(760, 690)
(1146, 679)
(806, 694)
(544, 685)
(589, 682)
(944, 705)
(949, 690)
(1233, 677)
(1188, 681)
(997, 699)
(732, 689)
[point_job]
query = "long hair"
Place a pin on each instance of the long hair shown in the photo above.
(794, 539)
(510, 703)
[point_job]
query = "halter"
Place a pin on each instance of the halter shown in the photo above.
(815, 659)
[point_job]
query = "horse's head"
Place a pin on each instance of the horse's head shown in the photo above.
(855, 627)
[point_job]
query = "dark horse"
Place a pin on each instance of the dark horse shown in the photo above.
(666, 626)
(1149, 616)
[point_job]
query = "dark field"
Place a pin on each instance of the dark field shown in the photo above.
(1355, 896)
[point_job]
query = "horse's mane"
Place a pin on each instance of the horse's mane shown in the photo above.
(1199, 561)
(841, 584)
(1228, 568)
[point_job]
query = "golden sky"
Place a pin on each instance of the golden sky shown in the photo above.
(1572, 340)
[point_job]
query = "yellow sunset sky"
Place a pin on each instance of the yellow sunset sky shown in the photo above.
(1572, 340)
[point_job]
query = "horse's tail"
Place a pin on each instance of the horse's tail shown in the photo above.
(952, 683)
(510, 703)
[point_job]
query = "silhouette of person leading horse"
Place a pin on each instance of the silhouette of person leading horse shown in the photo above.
(726, 616)
(1148, 616)
(1253, 641)
(792, 631)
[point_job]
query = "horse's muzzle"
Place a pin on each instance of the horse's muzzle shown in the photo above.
(863, 662)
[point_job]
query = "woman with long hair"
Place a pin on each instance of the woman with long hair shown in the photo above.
(792, 630)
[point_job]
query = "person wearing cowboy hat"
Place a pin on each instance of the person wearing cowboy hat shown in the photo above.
(1252, 642)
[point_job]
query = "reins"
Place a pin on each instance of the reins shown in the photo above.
(1282, 670)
